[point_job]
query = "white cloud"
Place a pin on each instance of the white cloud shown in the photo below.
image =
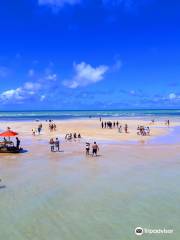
(31, 89)
(42, 98)
(58, 3)
(172, 96)
(26, 91)
(85, 74)
(52, 77)
(32, 86)
(12, 94)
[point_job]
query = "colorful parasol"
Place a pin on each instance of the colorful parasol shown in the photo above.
(8, 133)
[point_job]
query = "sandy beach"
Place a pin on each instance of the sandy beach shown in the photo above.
(90, 129)
(66, 195)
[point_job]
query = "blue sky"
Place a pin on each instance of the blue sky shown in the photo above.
(89, 54)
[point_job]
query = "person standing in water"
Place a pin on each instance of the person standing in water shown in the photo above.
(51, 142)
(126, 128)
(17, 143)
(57, 144)
(120, 129)
(39, 130)
(95, 149)
(87, 148)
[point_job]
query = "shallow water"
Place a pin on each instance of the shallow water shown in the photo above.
(172, 138)
(61, 197)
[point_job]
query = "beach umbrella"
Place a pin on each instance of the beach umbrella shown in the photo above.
(8, 133)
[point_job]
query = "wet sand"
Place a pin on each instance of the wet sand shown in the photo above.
(69, 196)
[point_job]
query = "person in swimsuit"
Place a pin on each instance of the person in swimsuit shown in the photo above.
(51, 142)
(57, 144)
(87, 148)
(126, 128)
(17, 143)
(95, 149)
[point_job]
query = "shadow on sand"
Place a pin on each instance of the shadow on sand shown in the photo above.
(91, 155)
(24, 151)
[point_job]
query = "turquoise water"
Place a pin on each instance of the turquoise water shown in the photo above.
(45, 115)
(66, 196)
(63, 197)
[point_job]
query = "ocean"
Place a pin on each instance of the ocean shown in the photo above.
(62, 115)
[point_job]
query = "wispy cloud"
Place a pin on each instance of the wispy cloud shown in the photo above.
(126, 4)
(174, 96)
(38, 83)
(15, 94)
(28, 90)
(51, 77)
(31, 72)
(117, 65)
(42, 98)
(85, 74)
(58, 3)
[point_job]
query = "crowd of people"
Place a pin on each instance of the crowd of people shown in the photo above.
(55, 144)
(114, 124)
(143, 131)
(90, 150)
(109, 124)
(52, 127)
(74, 136)
(38, 130)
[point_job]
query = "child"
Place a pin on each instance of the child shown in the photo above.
(87, 148)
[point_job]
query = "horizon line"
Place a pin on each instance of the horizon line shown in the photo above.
(68, 110)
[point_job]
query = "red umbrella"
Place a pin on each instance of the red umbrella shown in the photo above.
(8, 133)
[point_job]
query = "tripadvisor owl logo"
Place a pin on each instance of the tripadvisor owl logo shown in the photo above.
(139, 231)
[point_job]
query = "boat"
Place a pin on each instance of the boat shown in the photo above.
(7, 146)
(10, 150)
